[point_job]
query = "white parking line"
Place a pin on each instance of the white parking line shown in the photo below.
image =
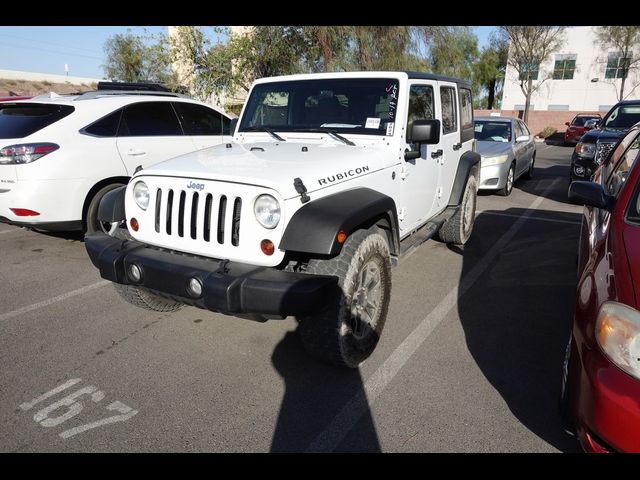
(59, 298)
(531, 217)
(350, 414)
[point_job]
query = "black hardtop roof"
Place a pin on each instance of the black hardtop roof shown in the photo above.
(433, 76)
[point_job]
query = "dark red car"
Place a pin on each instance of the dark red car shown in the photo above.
(13, 99)
(601, 378)
(577, 128)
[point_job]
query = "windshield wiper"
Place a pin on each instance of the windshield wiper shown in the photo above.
(265, 129)
(333, 133)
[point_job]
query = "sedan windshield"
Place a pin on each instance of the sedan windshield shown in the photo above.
(353, 105)
(488, 131)
(623, 116)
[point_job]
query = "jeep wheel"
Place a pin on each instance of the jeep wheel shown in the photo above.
(457, 229)
(138, 296)
(508, 186)
(348, 330)
(91, 221)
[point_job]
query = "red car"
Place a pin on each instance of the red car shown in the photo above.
(577, 127)
(601, 377)
(13, 99)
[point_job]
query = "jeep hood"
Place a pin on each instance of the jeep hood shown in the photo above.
(276, 165)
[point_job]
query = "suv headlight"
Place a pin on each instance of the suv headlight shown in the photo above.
(141, 195)
(618, 333)
(267, 211)
(586, 149)
(487, 161)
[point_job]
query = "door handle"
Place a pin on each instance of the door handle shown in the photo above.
(436, 153)
(457, 146)
(136, 153)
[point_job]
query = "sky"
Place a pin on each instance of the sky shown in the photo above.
(48, 49)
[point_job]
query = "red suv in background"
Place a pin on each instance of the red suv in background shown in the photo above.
(577, 127)
(601, 378)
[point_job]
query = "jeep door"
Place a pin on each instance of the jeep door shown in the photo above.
(450, 138)
(419, 177)
(149, 133)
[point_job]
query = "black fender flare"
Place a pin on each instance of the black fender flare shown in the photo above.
(111, 208)
(314, 227)
(468, 162)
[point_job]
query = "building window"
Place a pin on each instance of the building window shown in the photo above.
(558, 108)
(529, 71)
(520, 106)
(564, 67)
(617, 66)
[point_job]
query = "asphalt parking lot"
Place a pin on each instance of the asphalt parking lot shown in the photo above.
(469, 361)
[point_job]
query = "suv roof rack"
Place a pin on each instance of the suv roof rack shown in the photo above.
(109, 93)
(137, 86)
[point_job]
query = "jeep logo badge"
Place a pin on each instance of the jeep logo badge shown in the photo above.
(196, 186)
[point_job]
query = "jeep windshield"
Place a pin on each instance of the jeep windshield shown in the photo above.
(333, 105)
(622, 116)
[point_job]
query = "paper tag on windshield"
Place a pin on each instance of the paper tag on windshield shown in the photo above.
(390, 129)
(372, 123)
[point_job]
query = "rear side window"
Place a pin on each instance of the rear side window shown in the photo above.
(198, 119)
(448, 101)
(466, 108)
(149, 119)
(106, 126)
(20, 120)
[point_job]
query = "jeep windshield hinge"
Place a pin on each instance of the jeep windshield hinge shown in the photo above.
(301, 189)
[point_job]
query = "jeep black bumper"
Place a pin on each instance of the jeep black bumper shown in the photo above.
(227, 287)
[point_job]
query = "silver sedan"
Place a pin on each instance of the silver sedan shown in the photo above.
(507, 150)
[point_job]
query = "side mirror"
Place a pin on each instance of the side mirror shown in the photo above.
(566, 123)
(232, 126)
(589, 193)
(425, 131)
(522, 138)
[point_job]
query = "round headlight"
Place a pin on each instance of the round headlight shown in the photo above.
(141, 195)
(267, 211)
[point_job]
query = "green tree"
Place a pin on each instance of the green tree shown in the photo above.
(529, 48)
(452, 51)
(490, 68)
(131, 58)
(381, 48)
(624, 40)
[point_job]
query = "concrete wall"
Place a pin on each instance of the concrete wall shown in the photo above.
(539, 120)
(579, 93)
(46, 77)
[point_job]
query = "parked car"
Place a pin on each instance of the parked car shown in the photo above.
(13, 99)
(601, 375)
(580, 124)
(596, 144)
(59, 155)
(508, 152)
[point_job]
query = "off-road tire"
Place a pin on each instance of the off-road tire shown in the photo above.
(139, 296)
(458, 228)
(336, 335)
(92, 224)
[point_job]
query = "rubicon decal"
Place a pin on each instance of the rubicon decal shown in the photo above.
(343, 175)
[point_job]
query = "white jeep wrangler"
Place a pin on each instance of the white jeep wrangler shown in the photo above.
(329, 180)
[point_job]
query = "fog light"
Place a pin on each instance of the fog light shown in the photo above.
(195, 287)
(134, 224)
(267, 247)
(579, 170)
(135, 273)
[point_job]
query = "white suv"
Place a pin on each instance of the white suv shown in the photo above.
(59, 155)
(329, 180)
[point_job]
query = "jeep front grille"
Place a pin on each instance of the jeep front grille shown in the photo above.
(602, 151)
(184, 209)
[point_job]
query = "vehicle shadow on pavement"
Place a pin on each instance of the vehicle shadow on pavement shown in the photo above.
(315, 394)
(516, 311)
(558, 194)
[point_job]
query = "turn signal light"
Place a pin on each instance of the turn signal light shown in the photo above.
(341, 237)
(134, 224)
(267, 247)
